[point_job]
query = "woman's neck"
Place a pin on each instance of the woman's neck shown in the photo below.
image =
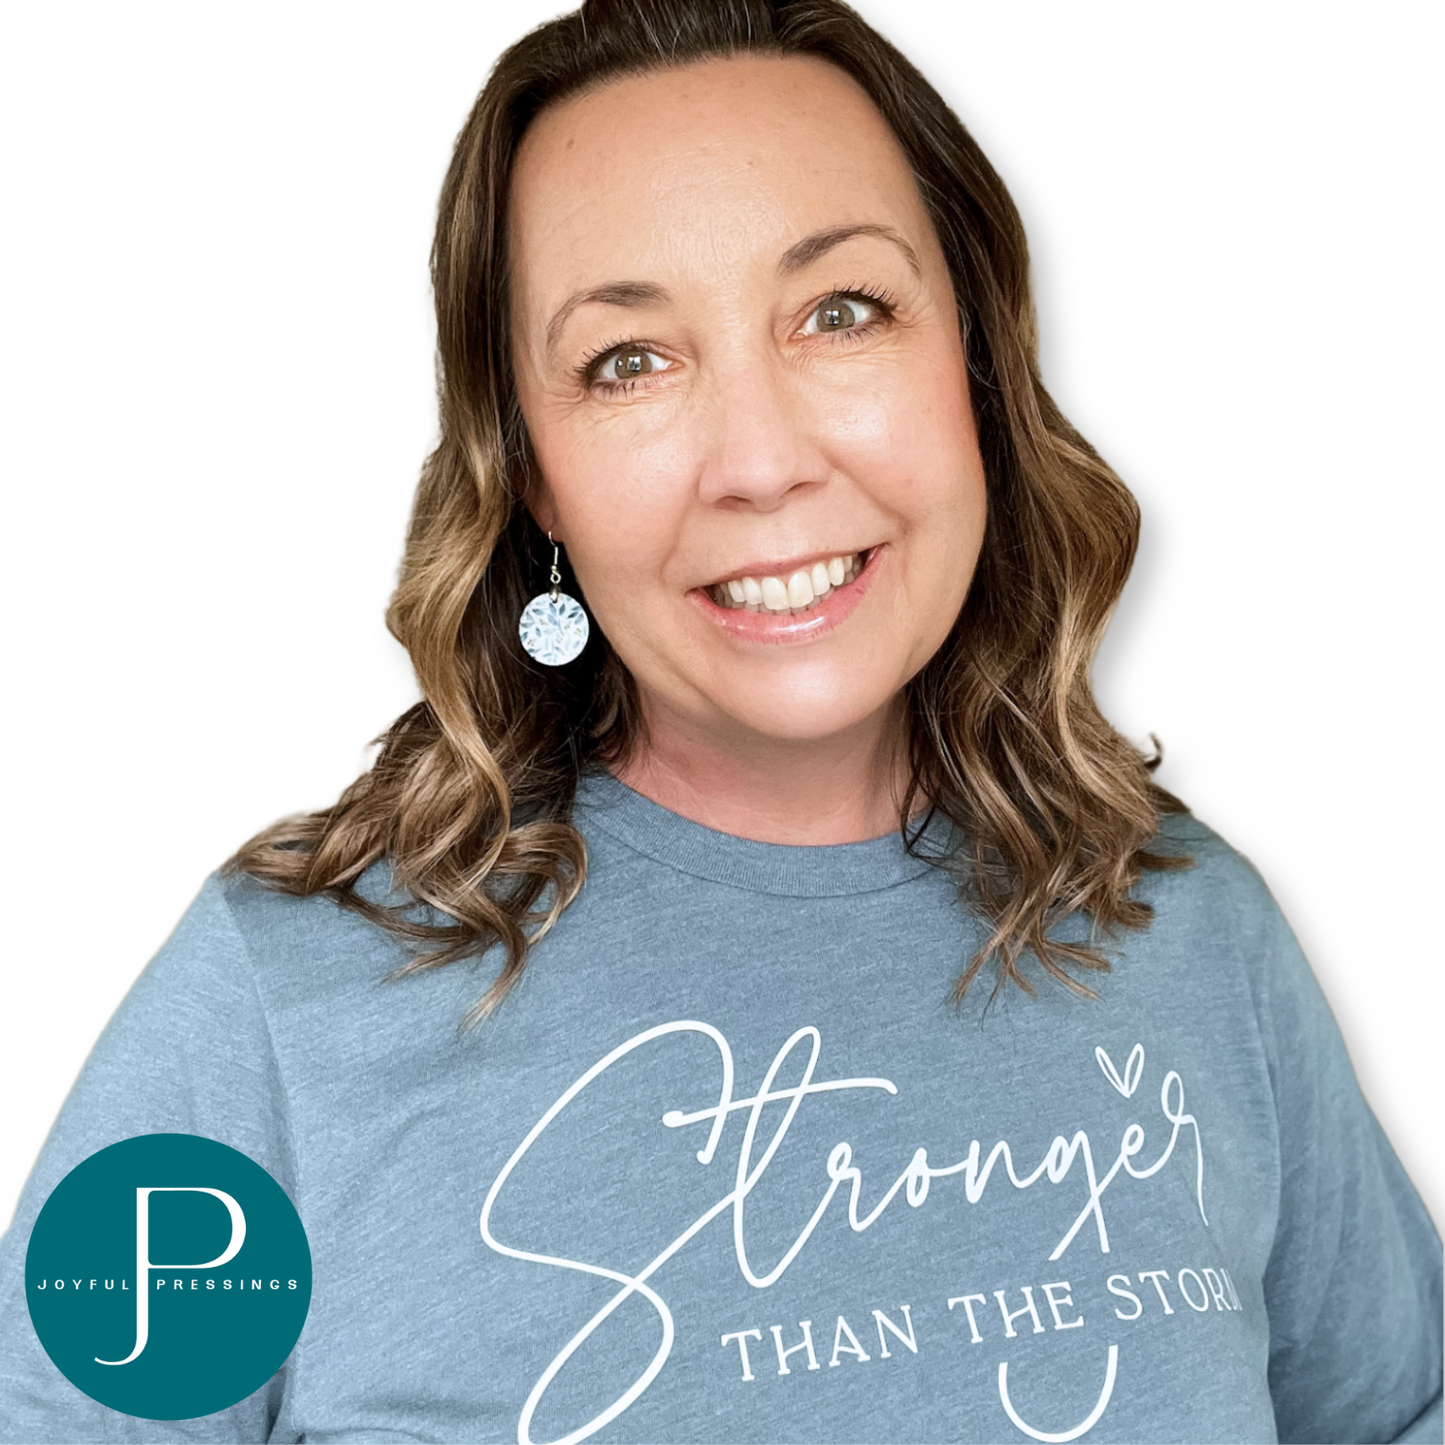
(841, 789)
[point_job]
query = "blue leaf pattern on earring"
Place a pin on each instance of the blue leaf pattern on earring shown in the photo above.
(554, 626)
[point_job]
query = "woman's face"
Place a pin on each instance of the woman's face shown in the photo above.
(738, 357)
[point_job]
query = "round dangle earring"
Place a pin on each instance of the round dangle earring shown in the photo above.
(554, 626)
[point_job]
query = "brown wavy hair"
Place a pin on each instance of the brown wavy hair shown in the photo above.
(470, 798)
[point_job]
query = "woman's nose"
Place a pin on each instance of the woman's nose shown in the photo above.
(761, 441)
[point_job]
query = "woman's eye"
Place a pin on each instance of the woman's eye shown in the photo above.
(839, 313)
(629, 362)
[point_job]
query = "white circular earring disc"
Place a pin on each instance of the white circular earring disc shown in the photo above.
(554, 631)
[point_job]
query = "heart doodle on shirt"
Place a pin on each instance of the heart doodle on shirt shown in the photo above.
(1133, 1070)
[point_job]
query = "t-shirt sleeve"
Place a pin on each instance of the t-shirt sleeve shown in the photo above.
(1353, 1284)
(188, 1051)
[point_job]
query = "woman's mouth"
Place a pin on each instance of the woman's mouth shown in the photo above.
(792, 604)
(796, 592)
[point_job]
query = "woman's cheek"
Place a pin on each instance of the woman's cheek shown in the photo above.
(859, 423)
(926, 433)
(886, 443)
(627, 484)
(623, 510)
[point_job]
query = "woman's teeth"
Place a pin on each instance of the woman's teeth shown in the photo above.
(796, 592)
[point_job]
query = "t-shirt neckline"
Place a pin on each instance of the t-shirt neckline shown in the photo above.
(829, 870)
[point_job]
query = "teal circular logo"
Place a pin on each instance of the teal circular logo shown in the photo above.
(168, 1276)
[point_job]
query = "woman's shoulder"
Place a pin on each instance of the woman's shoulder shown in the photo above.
(1214, 875)
(258, 902)
(311, 963)
(269, 932)
(1216, 929)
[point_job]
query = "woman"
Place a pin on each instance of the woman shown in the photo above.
(721, 1161)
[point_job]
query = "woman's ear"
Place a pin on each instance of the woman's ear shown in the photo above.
(536, 495)
(538, 502)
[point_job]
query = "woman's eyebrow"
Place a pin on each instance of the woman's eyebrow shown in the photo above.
(611, 293)
(810, 248)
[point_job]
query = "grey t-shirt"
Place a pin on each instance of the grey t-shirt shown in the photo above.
(727, 1166)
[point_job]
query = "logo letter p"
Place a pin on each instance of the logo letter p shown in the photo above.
(144, 1264)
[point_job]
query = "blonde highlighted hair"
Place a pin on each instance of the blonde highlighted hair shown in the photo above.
(470, 798)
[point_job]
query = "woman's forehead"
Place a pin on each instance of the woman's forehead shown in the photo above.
(715, 164)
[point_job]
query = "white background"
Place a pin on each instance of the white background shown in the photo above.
(215, 369)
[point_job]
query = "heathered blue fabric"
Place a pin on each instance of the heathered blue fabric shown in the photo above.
(796, 1196)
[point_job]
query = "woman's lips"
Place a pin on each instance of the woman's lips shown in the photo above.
(764, 620)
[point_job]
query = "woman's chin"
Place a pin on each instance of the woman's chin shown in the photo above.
(815, 710)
